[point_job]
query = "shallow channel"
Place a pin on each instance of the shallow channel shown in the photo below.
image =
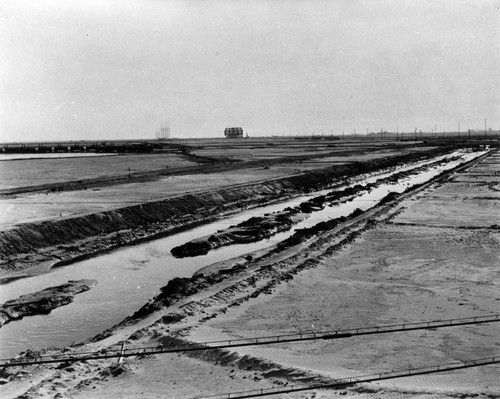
(129, 277)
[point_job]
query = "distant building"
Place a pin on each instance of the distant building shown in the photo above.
(233, 132)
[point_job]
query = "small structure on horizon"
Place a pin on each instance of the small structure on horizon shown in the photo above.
(233, 132)
(164, 132)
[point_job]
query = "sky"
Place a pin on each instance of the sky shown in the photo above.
(117, 69)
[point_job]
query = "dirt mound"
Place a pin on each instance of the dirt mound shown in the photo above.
(262, 227)
(43, 302)
(251, 230)
(65, 240)
(264, 367)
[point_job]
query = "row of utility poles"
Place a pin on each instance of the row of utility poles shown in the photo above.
(485, 128)
(355, 133)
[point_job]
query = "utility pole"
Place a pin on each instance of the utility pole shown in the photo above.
(485, 122)
(458, 129)
(343, 128)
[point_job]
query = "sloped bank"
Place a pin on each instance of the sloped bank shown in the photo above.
(261, 227)
(71, 239)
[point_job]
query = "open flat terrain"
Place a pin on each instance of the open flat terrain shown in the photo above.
(431, 255)
(419, 264)
(437, 258)
(34, 172)
(163, 175)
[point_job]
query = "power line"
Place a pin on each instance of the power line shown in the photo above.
(264, 340)
(344, 382)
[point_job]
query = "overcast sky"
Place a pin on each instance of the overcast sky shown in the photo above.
(104, 69)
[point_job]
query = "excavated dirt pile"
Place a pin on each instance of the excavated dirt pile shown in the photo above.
(251, 230)
(262, 227)
(43, 302)
(69, 239)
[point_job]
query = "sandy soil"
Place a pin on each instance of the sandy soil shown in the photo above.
(429, 262)
(47, 206)
(30, 172)
(40, 206)
(421, 260)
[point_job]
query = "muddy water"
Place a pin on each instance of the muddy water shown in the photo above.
(129, 277)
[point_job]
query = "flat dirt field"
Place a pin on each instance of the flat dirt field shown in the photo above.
(431, 254)
(33, 172)
(168, 174)
(425, 262)
(437, 258)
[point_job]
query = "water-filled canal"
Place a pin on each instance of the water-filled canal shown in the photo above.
(129, 277)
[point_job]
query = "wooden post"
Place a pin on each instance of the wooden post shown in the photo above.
(120, 359)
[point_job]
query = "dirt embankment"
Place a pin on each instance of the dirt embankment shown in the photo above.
(219, 294)
(180, 288)
(251, 230)
(70, 239)
(43, 302)
(259, 228)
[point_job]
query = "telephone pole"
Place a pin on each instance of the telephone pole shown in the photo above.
(343, 128)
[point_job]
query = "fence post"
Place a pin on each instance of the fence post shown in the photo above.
(120, 359)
